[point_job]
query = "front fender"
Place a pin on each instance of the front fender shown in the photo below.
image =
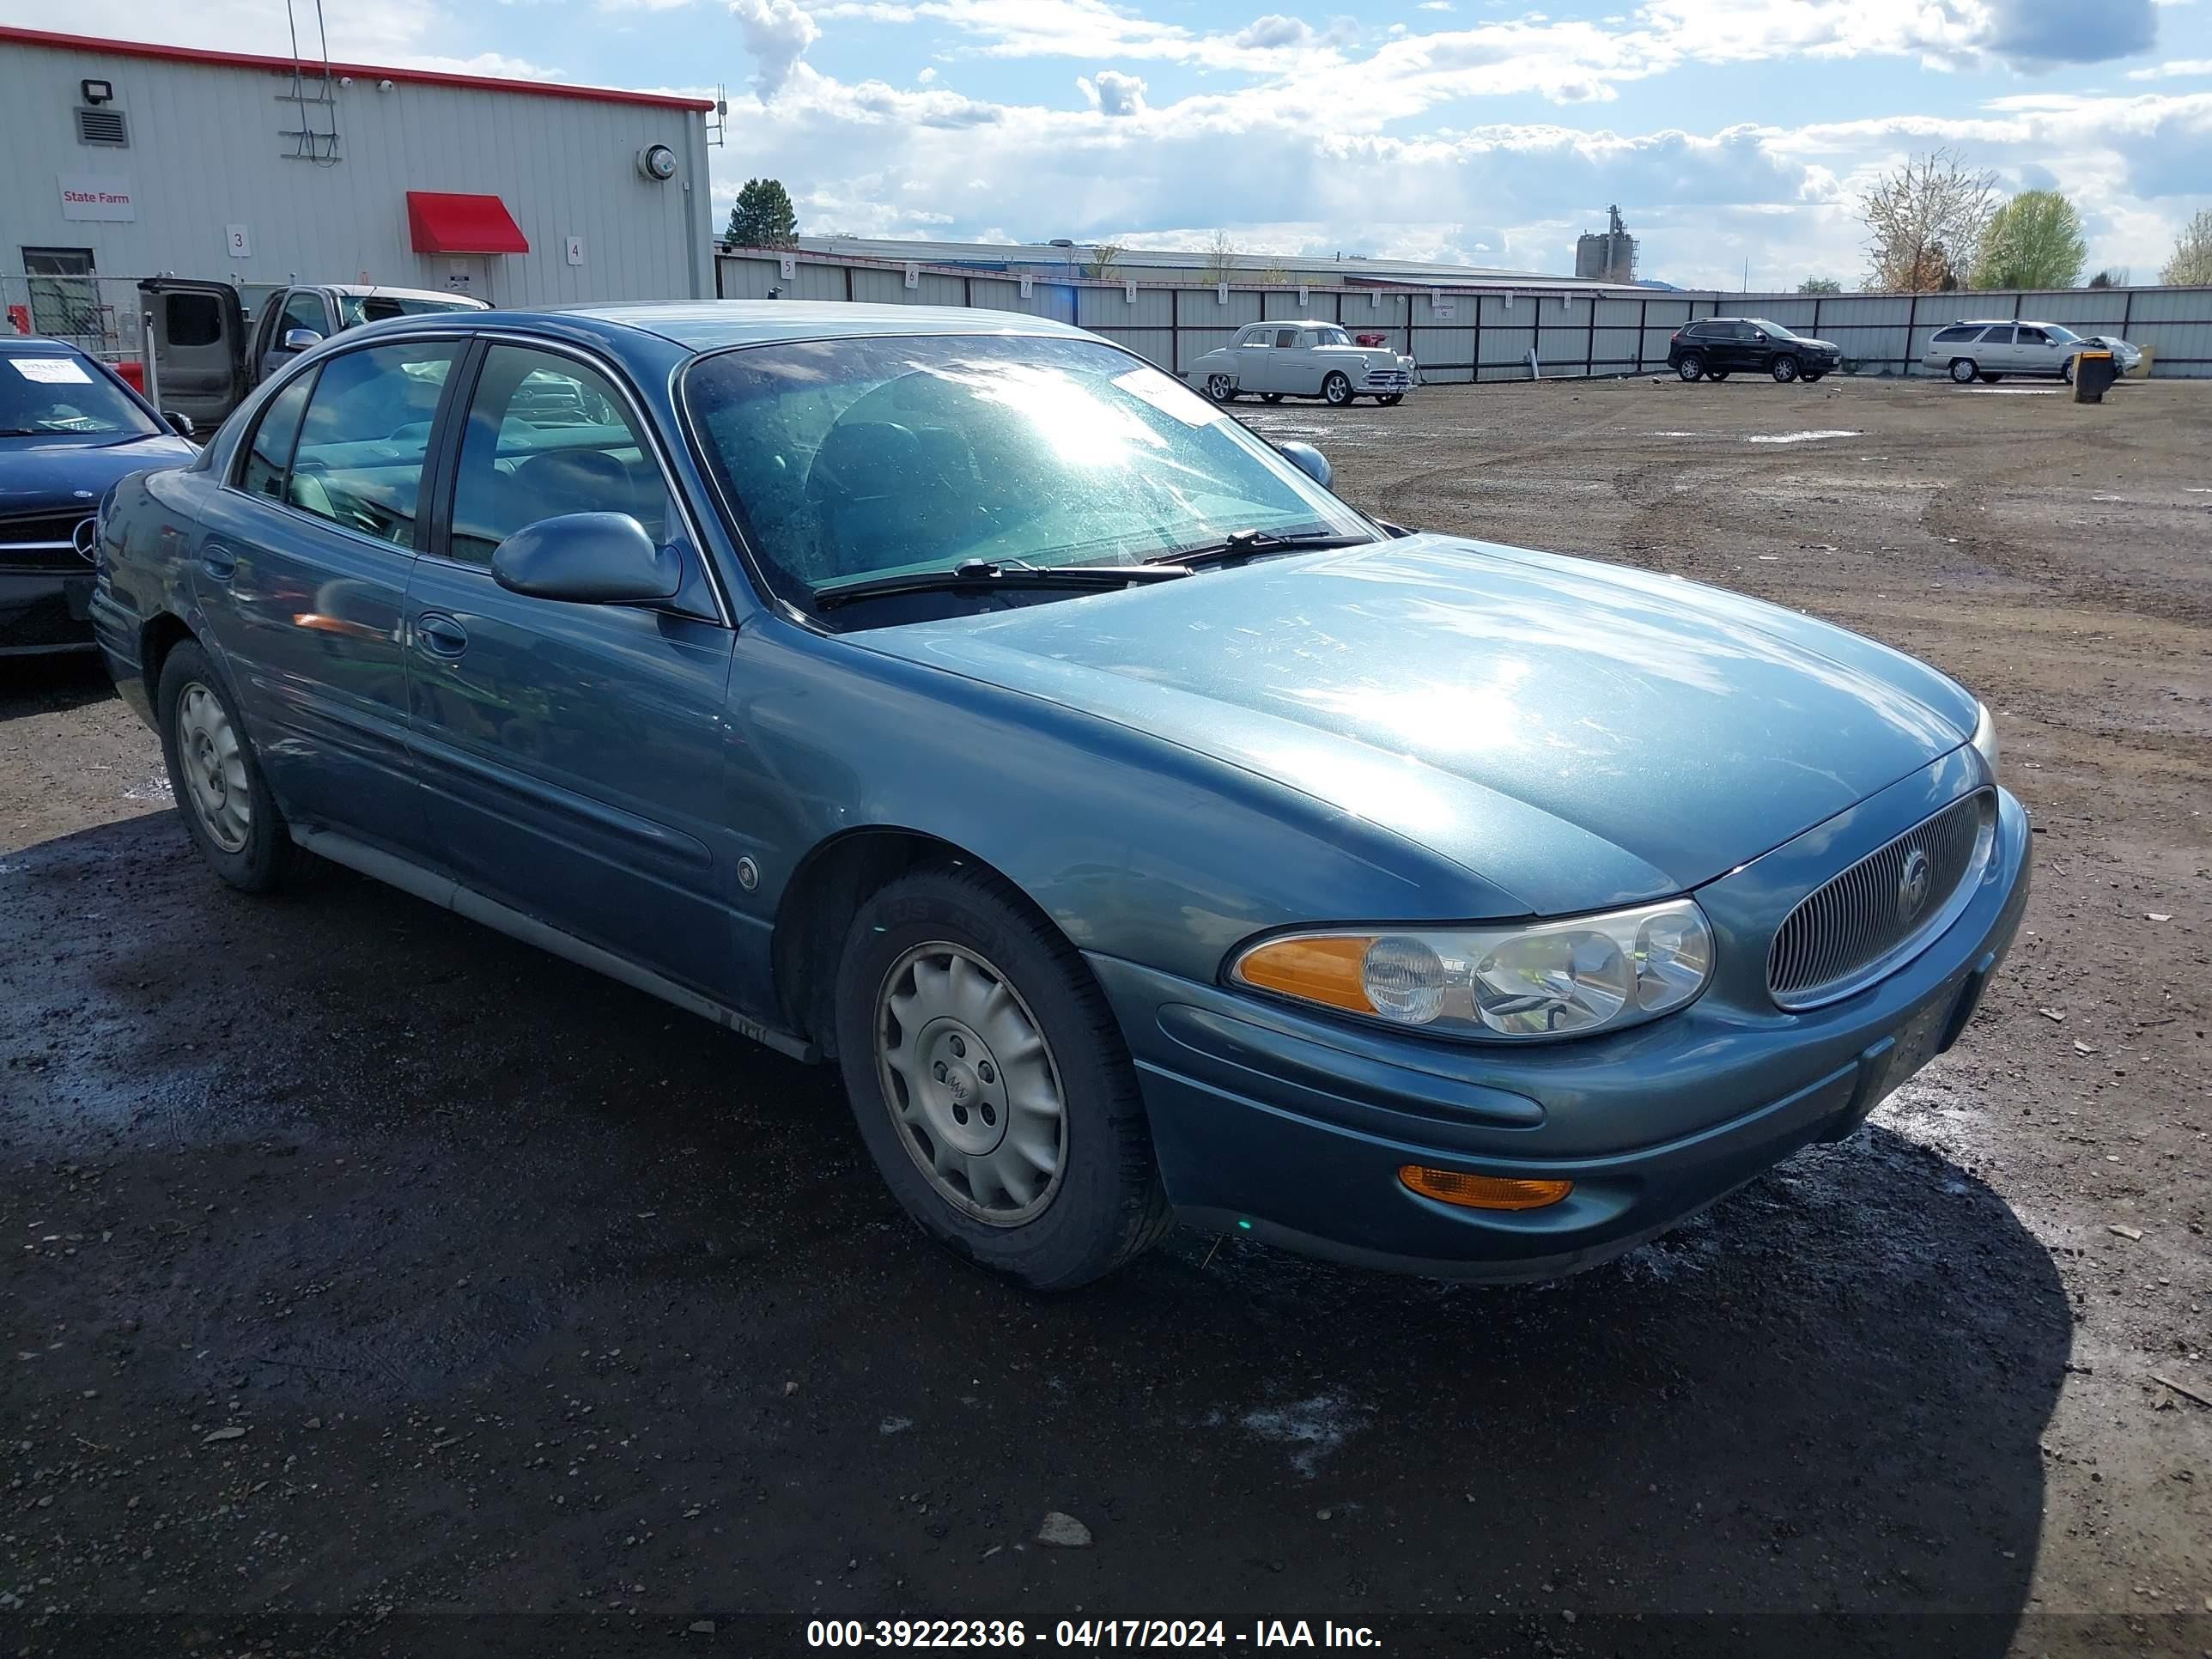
(1136, 847)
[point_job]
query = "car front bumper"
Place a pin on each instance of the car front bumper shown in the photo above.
(1292, 1128)
(45, 611)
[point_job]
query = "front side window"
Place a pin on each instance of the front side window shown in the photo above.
(365, 435)
(305, 310)
(850, 458)
(548, 435)
(48, 393)
(1335, 336)
(2030, 337)
(269, 457)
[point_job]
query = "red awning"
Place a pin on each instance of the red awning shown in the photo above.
(441, 221)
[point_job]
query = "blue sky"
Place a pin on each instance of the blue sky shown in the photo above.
(1490, 130)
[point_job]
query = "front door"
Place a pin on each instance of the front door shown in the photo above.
(198, 347)
(306, 309)
(303, 571)
(574, 755)
(2034, 352)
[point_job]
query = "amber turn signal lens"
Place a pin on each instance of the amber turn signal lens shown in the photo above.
(1326, 969)
(1475, 1192)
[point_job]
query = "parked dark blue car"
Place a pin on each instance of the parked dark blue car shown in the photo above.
(1145, 833)
(69, 427)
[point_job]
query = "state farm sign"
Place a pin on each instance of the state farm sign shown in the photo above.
(96, 196)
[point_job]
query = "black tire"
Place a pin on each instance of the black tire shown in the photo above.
(2066, 372)
(1691, 366)
(1391, 400)
(1717, 373)
(1812, 376)
(1109, 1205)
(268, 858)
(1271, 397)
(1963, 371)
(1336, 391)
(1785, 369)
(1221, 388)
(1988, 379)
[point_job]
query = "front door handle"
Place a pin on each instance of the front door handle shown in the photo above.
(220, 562)
(441, 635)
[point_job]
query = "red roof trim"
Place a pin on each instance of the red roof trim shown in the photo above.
(429, 77)
(448, 222)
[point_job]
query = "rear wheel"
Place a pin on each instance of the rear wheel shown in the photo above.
(1814, 375)
(1691, 366)
(1717, 373)
(991, 1083)
(227, 809)
(1784, 370)
(1963, 371)
(1336, 391)
(1220, 388)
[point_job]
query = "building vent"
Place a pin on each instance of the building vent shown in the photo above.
(103, 126)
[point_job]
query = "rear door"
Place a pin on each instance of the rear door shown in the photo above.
(198, 348)
(1252, 352)
(575, 757)
(1993, 351)
(302, 573)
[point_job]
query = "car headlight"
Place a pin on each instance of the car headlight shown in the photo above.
(1985, 736)
(1525, 982)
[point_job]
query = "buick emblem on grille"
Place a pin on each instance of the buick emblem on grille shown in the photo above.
(1912, 887)
(84, 538)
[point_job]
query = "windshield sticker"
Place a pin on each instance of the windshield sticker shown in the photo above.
(1168, 397)
(51, 371)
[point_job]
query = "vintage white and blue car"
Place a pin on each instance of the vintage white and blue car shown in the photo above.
(1301, 360)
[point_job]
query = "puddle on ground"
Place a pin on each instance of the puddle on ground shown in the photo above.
(1799, 437)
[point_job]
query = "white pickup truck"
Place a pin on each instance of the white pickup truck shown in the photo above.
(1277, 360)
(208, 356)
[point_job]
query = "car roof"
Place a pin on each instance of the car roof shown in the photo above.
(707, 325)
(36, 342)
(385, 290)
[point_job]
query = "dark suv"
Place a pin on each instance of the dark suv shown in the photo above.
(1714, 347)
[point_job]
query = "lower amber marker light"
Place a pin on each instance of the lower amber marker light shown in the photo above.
(1477, 1192)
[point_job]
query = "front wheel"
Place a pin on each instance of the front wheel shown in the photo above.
(1336, 391)
(2066, 372)
(1271, 397)
(216, 779)
(991, 1084)
(1988, 379)
(1220, 388)
(1392, 399)
(1784, 370)
(1691, 366)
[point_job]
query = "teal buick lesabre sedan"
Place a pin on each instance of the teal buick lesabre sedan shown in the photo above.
(1147, 834)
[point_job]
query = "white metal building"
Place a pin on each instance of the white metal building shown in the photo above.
(127, 160)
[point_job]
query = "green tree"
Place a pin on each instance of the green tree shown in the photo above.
(2035, 240)
(762, 216)
(1820, 285)
(2191, 263)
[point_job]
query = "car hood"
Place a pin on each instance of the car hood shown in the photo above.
(1576, 734)
(58, 473)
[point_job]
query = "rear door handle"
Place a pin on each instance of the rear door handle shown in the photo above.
(220, 562)
(441, 635)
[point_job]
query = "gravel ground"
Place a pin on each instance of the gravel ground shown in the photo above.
(378, 1286)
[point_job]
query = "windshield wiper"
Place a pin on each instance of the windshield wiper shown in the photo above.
(986, 573)
(1239, 544)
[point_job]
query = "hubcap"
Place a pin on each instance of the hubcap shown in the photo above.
(1217, 388)
(970, 1082)
(214, 769)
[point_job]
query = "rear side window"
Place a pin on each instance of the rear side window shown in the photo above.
(2001, 335)
(1952, 336)
(269, 457)
(1286, 336)
(548, 435)
(362, 441)
(195, 320)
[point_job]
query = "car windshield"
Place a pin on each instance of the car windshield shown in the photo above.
(2064, 335)
(354, 309)
(60, 393)
(852, 459)
(1773, 329)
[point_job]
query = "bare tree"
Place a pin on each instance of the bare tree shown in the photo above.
(1918, 213)
(1220, 259)
(2191, 263)
(1104, 264)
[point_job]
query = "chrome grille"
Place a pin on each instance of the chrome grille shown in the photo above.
(41, 541)
(1859, 925)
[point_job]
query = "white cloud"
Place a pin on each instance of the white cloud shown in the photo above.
(2180, 67)
(777, 34)
(1434, 5)
(928, 74)
(1112, 93)
(1265, 33)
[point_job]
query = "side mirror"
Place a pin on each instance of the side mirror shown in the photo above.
(587, 558)
(1308, 460)
(181, 424)
(299, 339)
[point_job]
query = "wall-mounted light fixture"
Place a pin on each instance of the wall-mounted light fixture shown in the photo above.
(97, 92)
